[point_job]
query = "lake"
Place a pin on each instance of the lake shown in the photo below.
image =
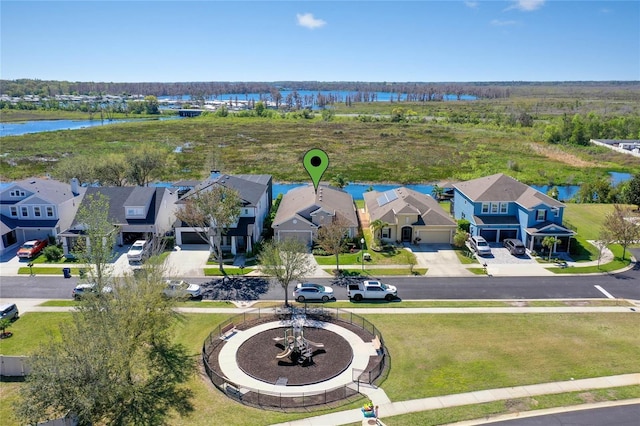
(357, 190)
(38, 126)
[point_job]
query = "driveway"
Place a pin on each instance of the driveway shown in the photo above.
(187, 261)
(440, 260)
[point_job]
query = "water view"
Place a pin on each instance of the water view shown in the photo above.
(37, 126)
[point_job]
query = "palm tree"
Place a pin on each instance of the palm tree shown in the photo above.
(376, 227)
(437, 192)
(339, 181)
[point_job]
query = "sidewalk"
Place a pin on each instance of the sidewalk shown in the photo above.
(469, 398)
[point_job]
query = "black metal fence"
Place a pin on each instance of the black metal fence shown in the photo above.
(258, 398)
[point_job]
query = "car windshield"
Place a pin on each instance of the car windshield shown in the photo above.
(482, 243)
(383, 286)
(29, 245)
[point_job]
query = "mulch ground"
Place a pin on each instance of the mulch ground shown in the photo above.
(257, 358)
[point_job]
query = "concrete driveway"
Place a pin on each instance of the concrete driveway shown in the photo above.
(187, 261)
(440, 260)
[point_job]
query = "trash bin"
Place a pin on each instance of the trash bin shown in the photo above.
(66, 272)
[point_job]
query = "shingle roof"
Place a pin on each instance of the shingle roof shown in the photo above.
(500, 187)
(385, 206)
(118, 196)
(249, 187)
(50, 190)
(304, 200)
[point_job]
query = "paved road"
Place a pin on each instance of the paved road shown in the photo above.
(625, 285)
(623, 415)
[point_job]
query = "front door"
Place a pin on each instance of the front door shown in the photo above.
(407, 232)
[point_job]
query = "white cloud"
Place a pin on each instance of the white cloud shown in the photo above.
(309, 21)
(527, 5)
(472, 4)
(499, 23)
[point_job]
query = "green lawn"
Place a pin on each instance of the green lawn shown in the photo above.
(456, 353)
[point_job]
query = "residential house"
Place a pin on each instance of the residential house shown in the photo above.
(500, 207)
(409, 216)
(303, 211)
(136, 212)
(256, 195)
(36, 208)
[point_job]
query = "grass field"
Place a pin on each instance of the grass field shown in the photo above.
(412, 152)
(430, 355)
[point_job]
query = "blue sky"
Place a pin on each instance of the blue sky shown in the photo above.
(396, 41)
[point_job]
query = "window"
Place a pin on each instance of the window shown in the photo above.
(17, 193)
(503, 207)
(37, 212)
(541, 215)
(14, 212)
(485, 207)
(494, 207)
(49, 211)
(246, 211)
(386, 232)
(24, 211)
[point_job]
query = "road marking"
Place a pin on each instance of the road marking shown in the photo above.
(603, 291)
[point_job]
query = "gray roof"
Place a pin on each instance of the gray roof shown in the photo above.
(303, 200)
(387, 205)
(50, 190)
(118, 198)
(249, 187)
(500, 187)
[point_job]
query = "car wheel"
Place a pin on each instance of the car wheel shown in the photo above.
(301, 299)
(389, 297)
(325, 299)
(357, 297)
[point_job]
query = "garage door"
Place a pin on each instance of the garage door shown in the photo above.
(303, 237)
(491, 235)
(434, 237)
(508, 233)
(192, 238)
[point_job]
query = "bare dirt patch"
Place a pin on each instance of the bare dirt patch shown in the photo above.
(556, 154)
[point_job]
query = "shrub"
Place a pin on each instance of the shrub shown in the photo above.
(52, 253)
(460, 238)
(464, 225)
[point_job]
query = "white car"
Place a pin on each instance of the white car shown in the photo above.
(89, 288)
(138, 251)
(308, 291)
(181, 288)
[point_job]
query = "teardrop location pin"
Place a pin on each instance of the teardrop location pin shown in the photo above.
(315, 162)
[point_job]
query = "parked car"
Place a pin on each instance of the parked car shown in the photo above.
(138, 251)
(309, 291)
(82, 290)
(31, 248)
(514, 246)
(181, 288)
(372, 290)
(480, 246)
(9, 311)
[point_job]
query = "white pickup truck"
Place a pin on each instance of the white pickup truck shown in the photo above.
(371, 290)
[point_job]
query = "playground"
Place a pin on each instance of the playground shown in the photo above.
(294, 360)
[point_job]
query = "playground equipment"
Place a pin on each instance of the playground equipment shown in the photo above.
(296, 346)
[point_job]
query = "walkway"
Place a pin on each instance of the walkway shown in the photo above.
(469, 398)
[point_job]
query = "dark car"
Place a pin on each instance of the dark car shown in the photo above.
(514, 246)
(9, 311)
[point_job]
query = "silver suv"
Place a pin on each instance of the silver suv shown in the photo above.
(480, 246)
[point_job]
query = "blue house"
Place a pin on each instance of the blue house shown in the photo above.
(500, 207)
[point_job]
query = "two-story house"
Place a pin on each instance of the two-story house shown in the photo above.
(303, 211)
(136, 212)
(36, 209)
(408, 216)
(255, 193)
(500, 207)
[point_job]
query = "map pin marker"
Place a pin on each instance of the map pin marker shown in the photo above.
(315, 163)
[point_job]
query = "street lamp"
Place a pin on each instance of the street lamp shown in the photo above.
(362, 247)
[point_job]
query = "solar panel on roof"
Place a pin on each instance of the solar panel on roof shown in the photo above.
(387, 197)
